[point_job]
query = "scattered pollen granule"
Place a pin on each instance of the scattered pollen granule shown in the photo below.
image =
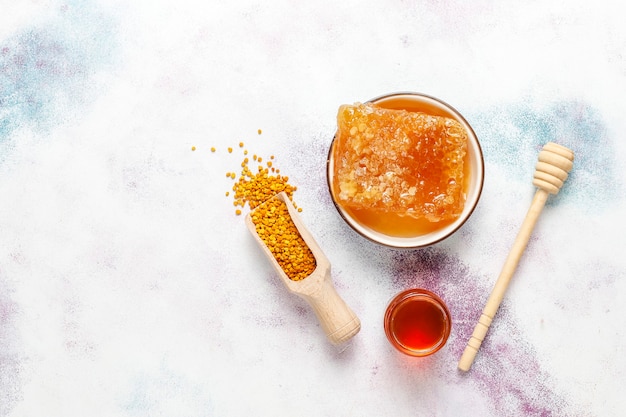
(259, 131)
(212, 149)
(193, 148)
(230, 150)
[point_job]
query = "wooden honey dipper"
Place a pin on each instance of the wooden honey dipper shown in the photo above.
(337, 319)
(555, 162)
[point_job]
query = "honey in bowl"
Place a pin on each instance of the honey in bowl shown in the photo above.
(417, 322)
(404, 170)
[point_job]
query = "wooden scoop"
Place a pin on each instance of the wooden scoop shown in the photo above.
(555, 162)
(337, 319)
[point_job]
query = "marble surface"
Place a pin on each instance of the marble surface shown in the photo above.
(129, 287)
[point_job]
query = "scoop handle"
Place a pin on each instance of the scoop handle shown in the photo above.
(336, 318)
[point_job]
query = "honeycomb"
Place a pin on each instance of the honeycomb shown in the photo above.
(400, 162)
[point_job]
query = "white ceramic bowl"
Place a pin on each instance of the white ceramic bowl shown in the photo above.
(434, 106)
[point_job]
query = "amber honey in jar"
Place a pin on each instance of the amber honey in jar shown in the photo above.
(417, 322)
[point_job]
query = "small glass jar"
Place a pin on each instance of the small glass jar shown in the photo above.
(417, 322)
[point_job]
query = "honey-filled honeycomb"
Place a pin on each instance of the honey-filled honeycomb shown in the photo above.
(399, 162)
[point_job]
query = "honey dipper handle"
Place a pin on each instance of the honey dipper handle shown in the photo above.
(337, 319)
(555, 162)
(497, 294)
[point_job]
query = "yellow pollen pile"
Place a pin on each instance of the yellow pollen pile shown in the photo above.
(271, 215)
(255, 188)
(276, 229)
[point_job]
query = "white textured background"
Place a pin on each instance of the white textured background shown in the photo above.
(128, 287)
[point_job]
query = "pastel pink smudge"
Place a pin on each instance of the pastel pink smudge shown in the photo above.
(512, 379)
(10, 360)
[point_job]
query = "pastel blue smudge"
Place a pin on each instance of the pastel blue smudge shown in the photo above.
(512, 135)
(45, 70)
(153, 392)
(45, 74)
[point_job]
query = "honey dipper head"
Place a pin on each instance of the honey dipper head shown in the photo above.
(555, 162)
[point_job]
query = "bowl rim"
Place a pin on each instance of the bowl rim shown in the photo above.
(456, 225)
